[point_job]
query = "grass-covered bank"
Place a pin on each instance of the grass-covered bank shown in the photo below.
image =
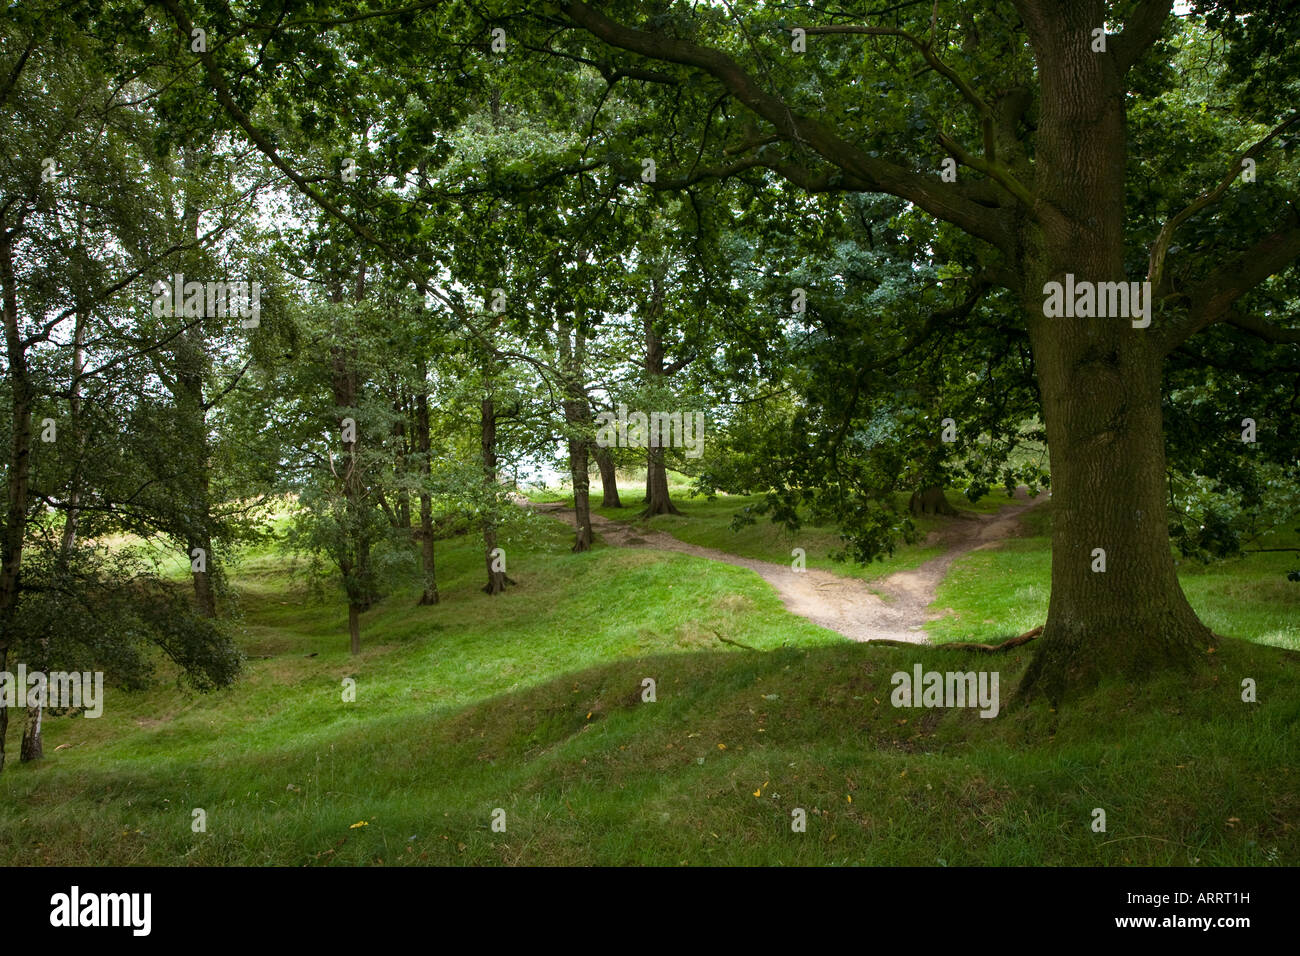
(533, 703)
(711, 772)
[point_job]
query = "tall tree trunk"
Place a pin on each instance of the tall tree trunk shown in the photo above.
(656, 477)
(577, 422)
(496, 575)
(657, 486)
(1101, 407)
(581, 493)
(33, 747)
(18, 472)
(345, 382)
(1100, 381)
(608, 477)
(73, 516)
(354, 626)
(401, 432)
(192, 365)
(204, 595)
(649, 467)
(429, 593)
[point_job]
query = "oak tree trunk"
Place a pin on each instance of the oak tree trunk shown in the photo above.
(656, 370)
(656, 482)
(608, 478)
(1101, 407)
(1100, 381)
(930, 501)
(581, 493)
(354, 626)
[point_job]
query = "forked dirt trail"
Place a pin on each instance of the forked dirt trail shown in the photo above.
(891, 608)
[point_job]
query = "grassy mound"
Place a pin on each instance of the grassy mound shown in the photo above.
(532, 704)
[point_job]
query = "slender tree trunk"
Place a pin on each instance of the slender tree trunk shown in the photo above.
(19, 474)
(401, 432)
(608, 477)
(204, 595)
(192, 364)
(494, 561)
(581, 494)
(429, 594)
(73, 516)
(658, 501)
(33, 747)
(345, 381)
(649, 468)
(577, 412)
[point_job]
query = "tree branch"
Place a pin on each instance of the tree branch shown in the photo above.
(989, 167)
(1212, 300)
(222, 92)
(944, 201)
(1140, 31)
(1263, 328)
(1160, 248)
(923, 46)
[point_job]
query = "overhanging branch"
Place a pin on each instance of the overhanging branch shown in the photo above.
(1262, 328)
(1160, 248)
(946, 201)
(1140, 31)
(1213, 299)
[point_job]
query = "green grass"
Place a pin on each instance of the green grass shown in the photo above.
(532, 703)
(1005, 590)
(707, 523)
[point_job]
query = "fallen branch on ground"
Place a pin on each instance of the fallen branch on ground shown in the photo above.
(1024, 638)
(727, 640)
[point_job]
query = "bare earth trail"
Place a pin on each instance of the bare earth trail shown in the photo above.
(850, 606)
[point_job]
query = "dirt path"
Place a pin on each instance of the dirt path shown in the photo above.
(890, 608)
